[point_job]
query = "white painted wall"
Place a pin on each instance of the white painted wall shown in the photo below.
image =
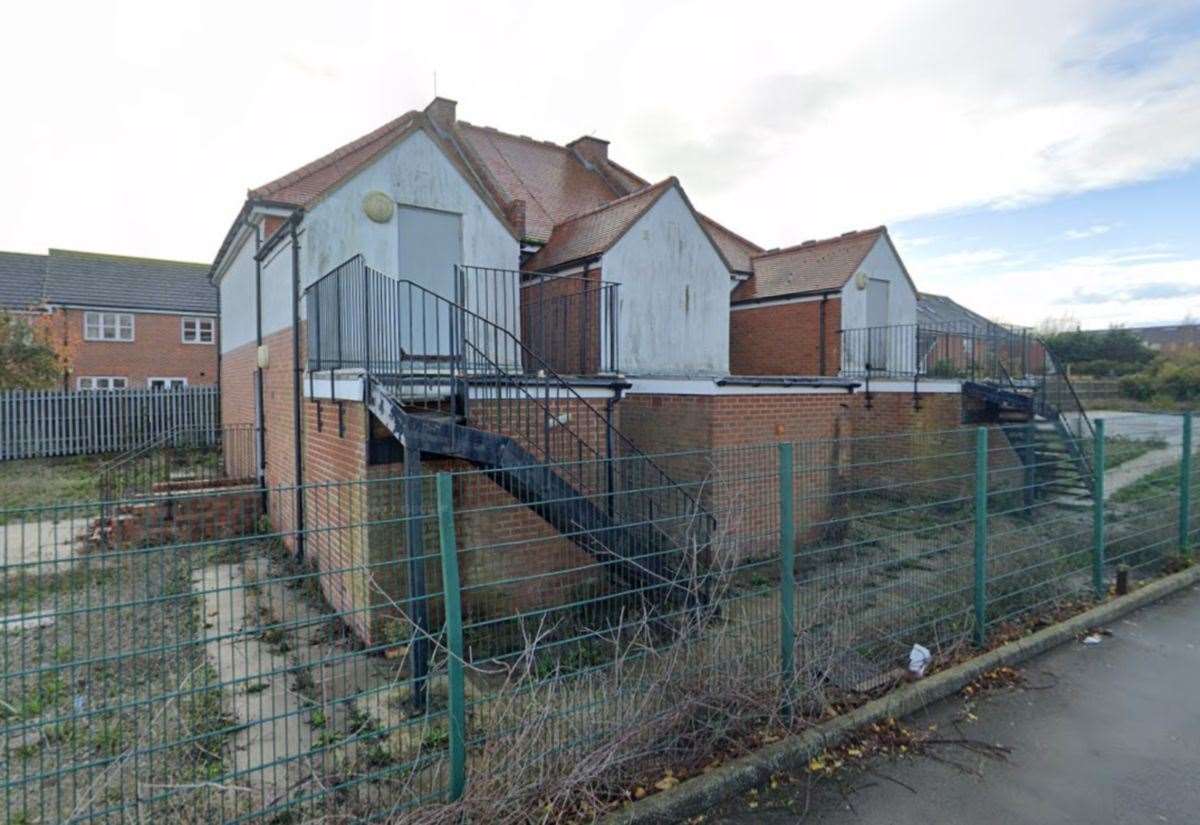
(880, 263)
(673, 312)
(416, 173)
(237, 298)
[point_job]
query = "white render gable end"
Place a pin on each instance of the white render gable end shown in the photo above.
(673, 312)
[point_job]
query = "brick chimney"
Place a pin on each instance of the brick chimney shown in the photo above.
(441, 112)
(515, 212)
(591, 149)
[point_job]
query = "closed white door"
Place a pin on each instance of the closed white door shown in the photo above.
(877, 319)
(430, 248)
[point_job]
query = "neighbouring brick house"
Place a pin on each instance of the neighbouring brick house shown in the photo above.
(119, 322)
(498, 284)
(1171, 338)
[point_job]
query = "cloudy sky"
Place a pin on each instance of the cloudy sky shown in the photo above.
(1033, 159)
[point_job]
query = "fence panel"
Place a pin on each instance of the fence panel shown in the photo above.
(49, 423)
(440, 643)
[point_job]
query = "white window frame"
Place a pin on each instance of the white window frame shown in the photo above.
(167, 381)
(108, 379)
(198, 325)
(101, 320)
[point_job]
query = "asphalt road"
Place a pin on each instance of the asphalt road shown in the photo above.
(1110, 734)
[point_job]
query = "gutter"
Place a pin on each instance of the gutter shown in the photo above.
(810, 293)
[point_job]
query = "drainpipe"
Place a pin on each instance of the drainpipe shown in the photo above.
(821, 332)
(297, 379)
(259, 388)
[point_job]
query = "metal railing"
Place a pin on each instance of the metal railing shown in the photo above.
(429, 352)
(570, 323)
(185, 459)
(967, 352)
(192, 671)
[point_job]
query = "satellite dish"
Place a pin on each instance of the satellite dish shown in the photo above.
(860, 280)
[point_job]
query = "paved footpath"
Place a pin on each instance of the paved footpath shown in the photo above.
(1115, 740)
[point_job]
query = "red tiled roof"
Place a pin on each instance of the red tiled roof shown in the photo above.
(554, 183)
(737, 250)
(311, 181)
(551, 180)
(594, 232)
(813, 266)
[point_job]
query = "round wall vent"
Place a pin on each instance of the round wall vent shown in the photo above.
(379, 207)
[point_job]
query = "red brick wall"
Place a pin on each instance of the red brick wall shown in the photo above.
(510, 559)
(560, 322)
(738, 486)
(784, 339)
(237, 384)
(156, 351)
(336, 514)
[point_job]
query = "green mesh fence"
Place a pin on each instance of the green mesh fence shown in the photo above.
(193, 657)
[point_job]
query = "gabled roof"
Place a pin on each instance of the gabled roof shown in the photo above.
(22, 277)
(94, 279)
(943, 311)
(554, 183)
(551, 180)
(594, 233)
(813, 266)
(312, 180)
(737, 250)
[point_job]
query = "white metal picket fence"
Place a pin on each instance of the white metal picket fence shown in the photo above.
(41, 424)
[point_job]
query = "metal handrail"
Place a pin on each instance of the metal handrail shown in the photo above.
(424, 377)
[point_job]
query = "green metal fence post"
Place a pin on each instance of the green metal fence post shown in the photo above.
(981, 496)
(457, 712)
(787, 569)
(1185, 487)
(1098, 469)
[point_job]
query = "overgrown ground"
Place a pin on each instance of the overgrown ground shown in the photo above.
(107, 705)
(125, 704)
(1120, 449)
(38, 482)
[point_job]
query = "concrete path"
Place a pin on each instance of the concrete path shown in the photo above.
(1169, 428)
(1115, 738)
(37, 548)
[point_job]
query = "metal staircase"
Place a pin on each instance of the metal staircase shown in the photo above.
(1045, 423)
(447, 381)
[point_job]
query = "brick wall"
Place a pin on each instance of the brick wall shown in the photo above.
(510, 559)
(336, 514)
(784, 339)
(560, 322)
(738, 484)
(156, 351)
(237, 384)
(279, 424)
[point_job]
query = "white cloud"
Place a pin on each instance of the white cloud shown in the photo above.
(1088, 231)
(142, 127)
(1118, 287)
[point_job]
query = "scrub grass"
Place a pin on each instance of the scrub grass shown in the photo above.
(38, 482)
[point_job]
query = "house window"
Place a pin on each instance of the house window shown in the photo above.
(101, 382)
(166, 383)
(107, 326)
(198, 330)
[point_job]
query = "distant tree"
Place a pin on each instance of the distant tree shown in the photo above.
(1113, 351)
(28, 359)
(1063, 323)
